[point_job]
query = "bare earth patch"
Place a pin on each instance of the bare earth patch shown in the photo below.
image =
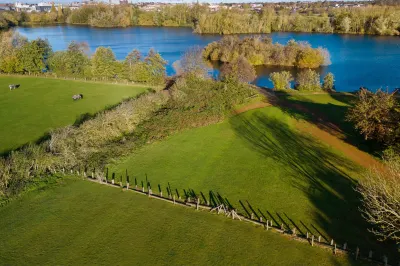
(252, 106)
(328, 132)
(350, 151)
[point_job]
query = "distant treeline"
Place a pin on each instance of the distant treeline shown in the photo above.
(306, 17)
(261, 51)
(18, 55)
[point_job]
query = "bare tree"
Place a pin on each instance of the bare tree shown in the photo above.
(239, 70)
(192, 62)
(380, 191)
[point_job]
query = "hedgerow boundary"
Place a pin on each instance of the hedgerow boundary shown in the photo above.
(219, 205)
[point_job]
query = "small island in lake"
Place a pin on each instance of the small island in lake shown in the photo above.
(262, 51)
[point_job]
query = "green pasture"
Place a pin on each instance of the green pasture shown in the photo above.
(79, 222)
(42, 104)
(260, 163)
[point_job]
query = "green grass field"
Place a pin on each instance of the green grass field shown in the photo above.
(260, 163)
(40, 104)
(83, 223)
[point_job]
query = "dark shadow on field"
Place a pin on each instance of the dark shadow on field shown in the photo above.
(329, 117)
(313, 169)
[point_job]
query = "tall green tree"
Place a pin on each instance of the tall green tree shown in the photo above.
(156, 66)
(103, 63)
(33, 55)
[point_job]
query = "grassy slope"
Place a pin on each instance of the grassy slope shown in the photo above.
(260, 159)
(328, 111)
(80, 223)
(40, 104)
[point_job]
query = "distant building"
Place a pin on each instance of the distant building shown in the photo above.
(6, 7)
(23, 7)
(123, 2)
(44, 7)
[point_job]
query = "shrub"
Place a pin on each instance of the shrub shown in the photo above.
(281, 80)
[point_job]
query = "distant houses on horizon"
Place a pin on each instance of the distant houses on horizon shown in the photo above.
(155, 6)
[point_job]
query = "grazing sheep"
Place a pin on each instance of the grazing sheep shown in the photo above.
(77, 97)
(13, 86)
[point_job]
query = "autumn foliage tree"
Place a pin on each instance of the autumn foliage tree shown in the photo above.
(238, 70)
(376, 116)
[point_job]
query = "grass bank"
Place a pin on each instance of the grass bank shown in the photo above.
(79, 222)
(42, 104)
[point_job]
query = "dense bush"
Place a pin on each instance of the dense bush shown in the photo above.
(377, 116)
(261, 51)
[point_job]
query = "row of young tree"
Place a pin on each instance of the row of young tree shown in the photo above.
(262, 51)
(306, 80)
(371, 19)
(18, 55)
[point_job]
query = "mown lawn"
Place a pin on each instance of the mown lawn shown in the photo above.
(260, 163)
(83, 223)
(40, 104)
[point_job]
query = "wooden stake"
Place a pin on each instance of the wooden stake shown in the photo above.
(312, 240)
(319, 239)
(334, 250)
(197, 204)
(345, 246)
(357, 252)
(173, 198)
(370, 254)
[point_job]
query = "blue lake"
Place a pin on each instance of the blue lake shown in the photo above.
(357, 60)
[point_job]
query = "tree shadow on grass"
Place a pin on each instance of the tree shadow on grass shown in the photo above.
(318, 172)
(328, 117)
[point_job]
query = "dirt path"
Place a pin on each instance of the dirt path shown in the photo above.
(251, 106)
(350, 151)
